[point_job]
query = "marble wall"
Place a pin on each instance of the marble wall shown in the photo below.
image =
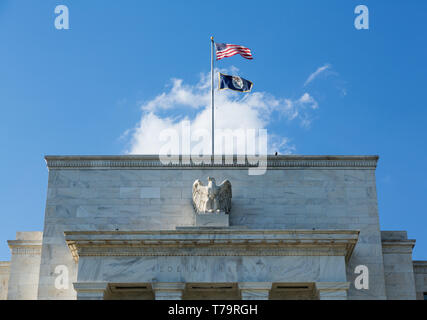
(92, 198)
(4, 279)
(398, 268)
(420, 275)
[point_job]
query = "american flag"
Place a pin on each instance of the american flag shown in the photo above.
(224, 50)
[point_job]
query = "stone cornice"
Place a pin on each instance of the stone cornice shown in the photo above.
(398, 246)
(24, 243)
(420, 266)
(184, 162)
(212, 243)
(4, 267)
(25, 247)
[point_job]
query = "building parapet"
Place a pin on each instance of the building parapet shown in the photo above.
(222, 162)
(396, 242)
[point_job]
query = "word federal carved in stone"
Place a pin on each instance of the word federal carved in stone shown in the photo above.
(262, 266)
(212, 198)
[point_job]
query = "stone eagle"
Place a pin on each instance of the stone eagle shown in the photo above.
(212, 198)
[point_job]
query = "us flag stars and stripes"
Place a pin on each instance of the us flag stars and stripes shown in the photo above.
(224, 50)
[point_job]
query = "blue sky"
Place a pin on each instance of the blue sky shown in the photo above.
(80, 91)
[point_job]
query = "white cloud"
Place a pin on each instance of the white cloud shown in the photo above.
(180, 94)
(280, 144)
(316, 73)
(233, 111)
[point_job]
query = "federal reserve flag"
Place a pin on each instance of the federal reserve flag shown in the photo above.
(234, 83)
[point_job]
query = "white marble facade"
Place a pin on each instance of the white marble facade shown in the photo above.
(123, 227)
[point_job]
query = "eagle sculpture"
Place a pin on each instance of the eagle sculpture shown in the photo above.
(212, 198)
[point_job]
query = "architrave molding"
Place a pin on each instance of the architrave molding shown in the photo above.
(212, 243)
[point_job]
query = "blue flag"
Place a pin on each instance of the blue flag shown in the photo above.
(234, 83)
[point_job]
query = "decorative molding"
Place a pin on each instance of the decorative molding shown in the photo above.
(27, 251)
(184, 162)
(420, 267)
(91, 290)
(397, 246)
(218, 251)
(90, 286)
(25, 247)
(212, 243)
(332, 290)
(4, 267)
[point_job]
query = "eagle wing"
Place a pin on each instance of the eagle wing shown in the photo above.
(200, 196)
(224, 196)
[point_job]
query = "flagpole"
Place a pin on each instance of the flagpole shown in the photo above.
(212, 93)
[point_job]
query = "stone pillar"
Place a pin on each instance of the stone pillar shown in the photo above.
(168, 290)
(398, 265)
(91, 290)
(255, 290)
(332, 290)
(24, 266)
(420, 275)
(4, 279)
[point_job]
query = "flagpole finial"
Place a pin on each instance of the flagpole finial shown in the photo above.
(212, 38)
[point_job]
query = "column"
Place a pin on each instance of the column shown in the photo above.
(332, 290)
(91, 290)
(24, 266)
(168, 290)
(4, 279)
(255, 290)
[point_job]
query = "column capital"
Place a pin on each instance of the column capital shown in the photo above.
(168, 290)
(255, 285)
(168, 285)
(332, 290)
(91, 290)
(255, 290)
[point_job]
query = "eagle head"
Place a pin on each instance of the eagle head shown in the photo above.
(210, 179)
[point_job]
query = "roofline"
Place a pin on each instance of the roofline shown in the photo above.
(221, 162)
(156, 157)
